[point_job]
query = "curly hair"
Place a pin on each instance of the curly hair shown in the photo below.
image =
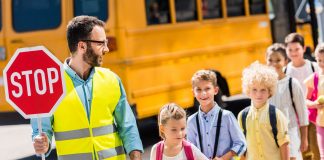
(258, 73)
(170, 111)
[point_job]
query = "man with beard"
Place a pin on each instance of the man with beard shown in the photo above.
(94, 120)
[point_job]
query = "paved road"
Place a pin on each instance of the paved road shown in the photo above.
(15, 138)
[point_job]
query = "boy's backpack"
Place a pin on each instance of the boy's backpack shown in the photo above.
(291, 95)
(186, 146)
(312, 111)
(219, 121)
(273, 121)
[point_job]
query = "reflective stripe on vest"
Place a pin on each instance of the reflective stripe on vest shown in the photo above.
(82, 133)
(88, 156)
(104, 130)
(111, 152)
(77, 137)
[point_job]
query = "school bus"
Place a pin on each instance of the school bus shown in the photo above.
(155, 45)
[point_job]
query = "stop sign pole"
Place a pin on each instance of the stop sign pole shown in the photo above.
(34, 83)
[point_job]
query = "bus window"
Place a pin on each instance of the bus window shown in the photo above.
(186, 10)
(257, 7)
(211, 9)
(235, 8)
(96, 8)
(0, 16)
(157, 11)
(35, 14)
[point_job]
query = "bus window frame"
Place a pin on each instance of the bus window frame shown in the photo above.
(107, 10)
(111, 19)
(195, 11)
(57, 26)
(148, 13)
(266, 8)
(200, 18)
(213, 18)
(246, 13)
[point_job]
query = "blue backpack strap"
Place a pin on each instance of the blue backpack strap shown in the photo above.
(273, 122)
(244, 115)
(199, 134)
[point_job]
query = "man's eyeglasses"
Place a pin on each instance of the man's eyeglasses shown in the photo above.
(102, 43)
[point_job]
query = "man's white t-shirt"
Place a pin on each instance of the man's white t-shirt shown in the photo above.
(301, 73)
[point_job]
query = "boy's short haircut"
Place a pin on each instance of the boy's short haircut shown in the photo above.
(277, 48)
(319, 49)
(258, 73)
(204, 75)
(295, 38)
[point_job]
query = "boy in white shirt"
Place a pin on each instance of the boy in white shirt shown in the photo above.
(300, 69)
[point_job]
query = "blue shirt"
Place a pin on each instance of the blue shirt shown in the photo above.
(231, 136)
(124, 117)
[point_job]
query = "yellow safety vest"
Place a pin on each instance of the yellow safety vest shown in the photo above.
(79, 139)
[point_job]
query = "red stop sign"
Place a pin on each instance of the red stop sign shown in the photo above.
(34, 82)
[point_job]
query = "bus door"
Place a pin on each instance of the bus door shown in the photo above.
(37, 22)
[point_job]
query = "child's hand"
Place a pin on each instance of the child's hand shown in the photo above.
(319, 106)
(303, 146)
(315, 104)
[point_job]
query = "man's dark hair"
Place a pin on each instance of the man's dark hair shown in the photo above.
(79, 28)
(295, 38)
